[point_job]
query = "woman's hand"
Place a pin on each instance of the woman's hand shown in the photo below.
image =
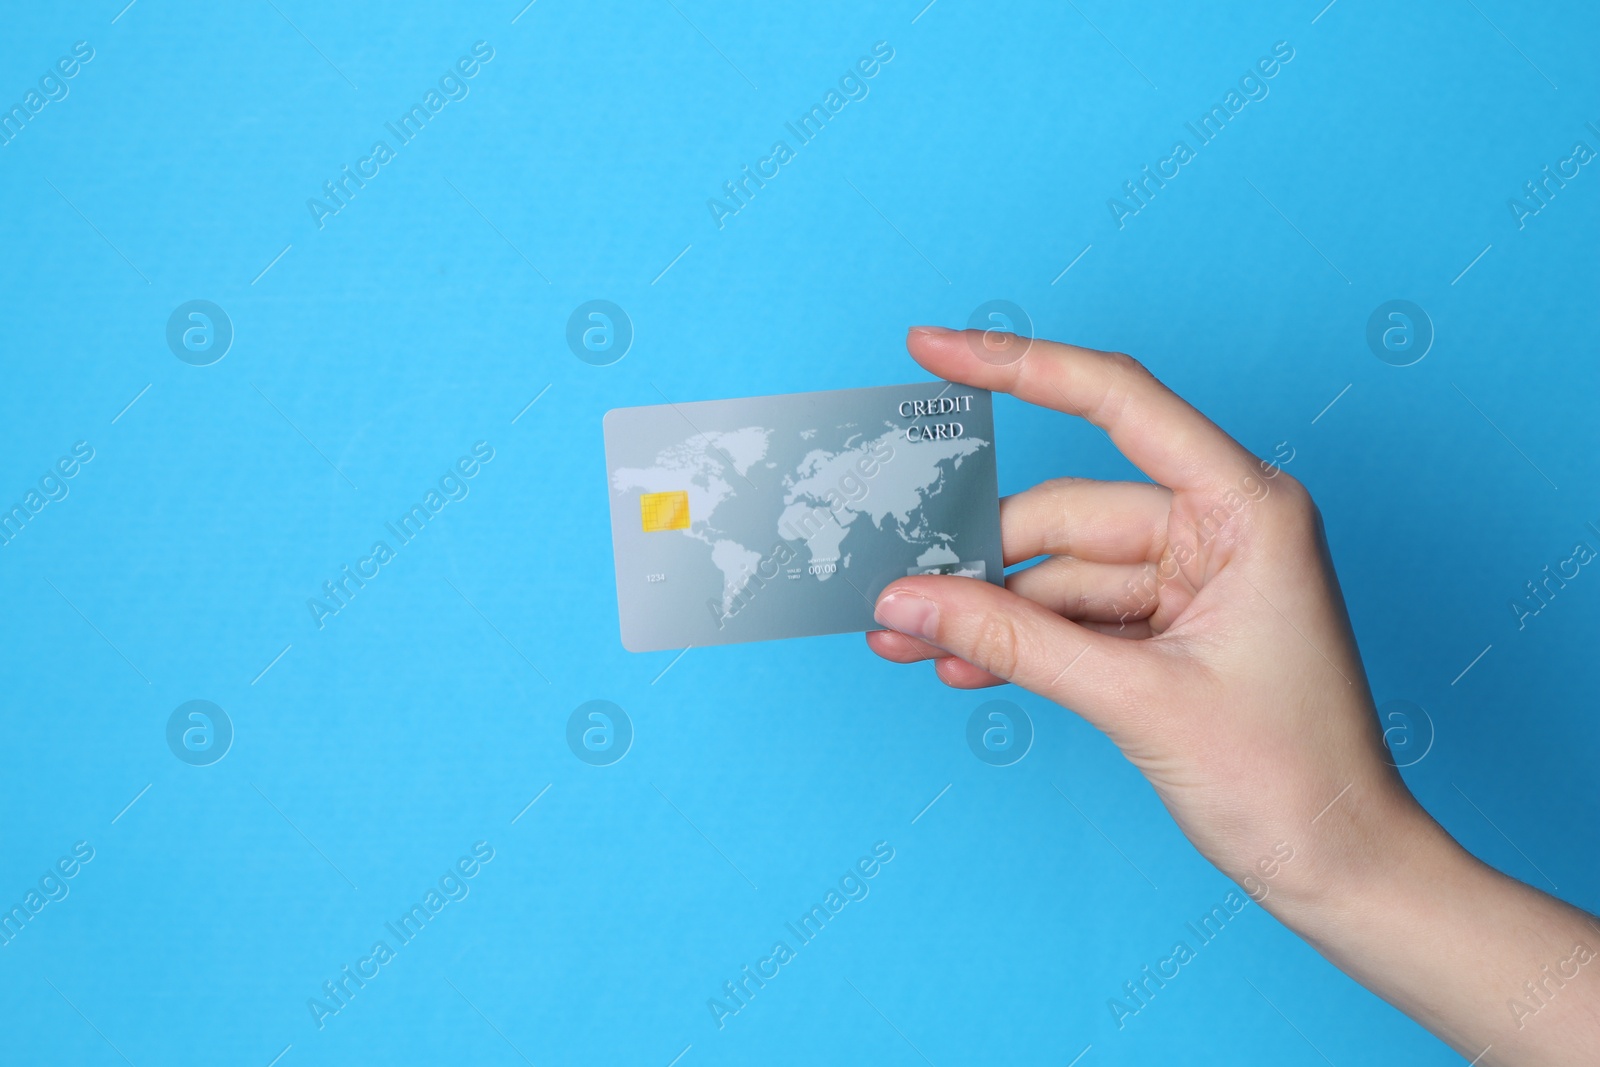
(1198, 623)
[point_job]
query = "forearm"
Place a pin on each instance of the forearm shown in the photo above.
(1505, 974)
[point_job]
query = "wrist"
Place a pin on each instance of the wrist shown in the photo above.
(1387, 896)
(1358, 860)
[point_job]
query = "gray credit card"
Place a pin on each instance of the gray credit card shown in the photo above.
(786, 516)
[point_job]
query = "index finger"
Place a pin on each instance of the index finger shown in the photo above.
(1154, 427)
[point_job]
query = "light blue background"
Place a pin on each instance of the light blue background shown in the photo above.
(412, 326)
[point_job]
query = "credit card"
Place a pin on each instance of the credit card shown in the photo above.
(786, 516)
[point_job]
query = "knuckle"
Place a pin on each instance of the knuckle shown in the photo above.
(1129, 379)
(1126, 364)
(1064, 483)
(995, 644)
(1293, 508)
(1293, 496)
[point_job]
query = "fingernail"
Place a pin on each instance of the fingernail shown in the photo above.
(927, 331)
(909, 614)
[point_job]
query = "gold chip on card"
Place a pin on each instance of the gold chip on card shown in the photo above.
(664, 511)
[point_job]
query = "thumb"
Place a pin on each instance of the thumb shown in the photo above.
(1018, 640)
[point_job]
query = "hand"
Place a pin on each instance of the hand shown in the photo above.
(1198, 623)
